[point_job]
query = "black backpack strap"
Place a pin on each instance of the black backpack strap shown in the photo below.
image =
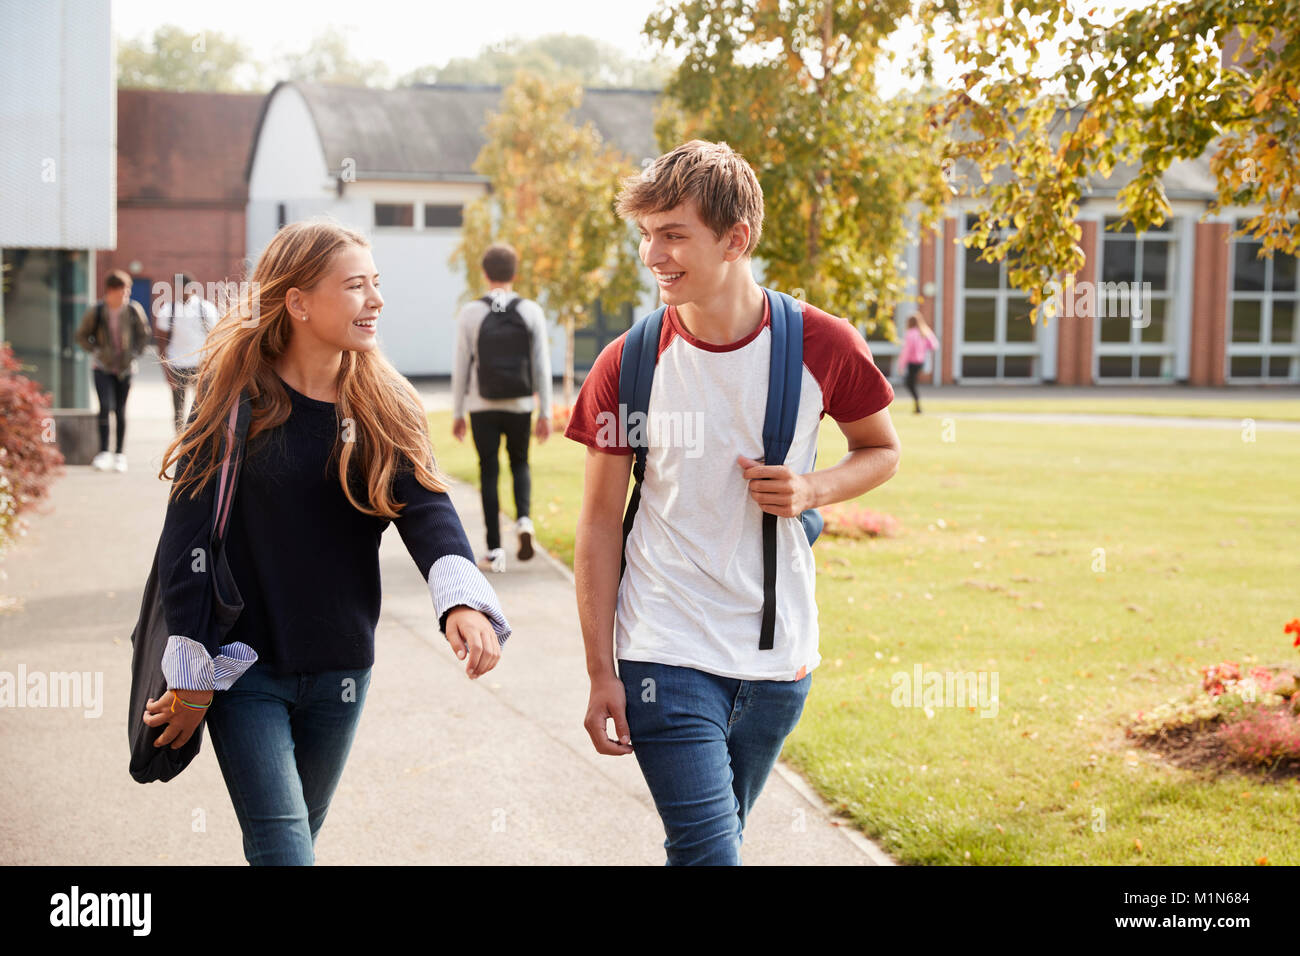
(785, 377)
(635, 376)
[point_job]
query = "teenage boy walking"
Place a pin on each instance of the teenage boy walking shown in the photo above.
(502, 357)
(115, 331)
(180, 333)
(704, 709)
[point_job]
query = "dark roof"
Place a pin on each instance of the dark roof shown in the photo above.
(184, 147)
(436, 132)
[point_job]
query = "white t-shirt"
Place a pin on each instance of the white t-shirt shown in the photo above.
(187, 331)
(692, 594)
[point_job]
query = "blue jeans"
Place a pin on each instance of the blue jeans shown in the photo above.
(706, 745)
(281, 741)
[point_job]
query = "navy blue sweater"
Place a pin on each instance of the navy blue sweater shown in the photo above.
(305, 560)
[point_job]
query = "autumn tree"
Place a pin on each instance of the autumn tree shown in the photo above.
(1053, 95)
(847, 172)
(552, 193)
(178, 59)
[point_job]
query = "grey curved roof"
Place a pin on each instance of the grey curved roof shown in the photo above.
(435, 132)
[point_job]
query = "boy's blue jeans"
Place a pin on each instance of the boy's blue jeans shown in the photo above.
(281, 741)
(706, 745)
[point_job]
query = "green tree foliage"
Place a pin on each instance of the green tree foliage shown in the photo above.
(177, 59)
(1051, 98)
(328, 60)
(552, 198)
(792, 86)
(557, 56)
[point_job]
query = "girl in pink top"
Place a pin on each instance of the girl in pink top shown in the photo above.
(918, 342)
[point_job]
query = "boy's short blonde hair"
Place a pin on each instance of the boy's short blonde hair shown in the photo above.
(717, 178)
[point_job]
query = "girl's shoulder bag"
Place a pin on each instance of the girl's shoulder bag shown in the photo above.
(149, 639)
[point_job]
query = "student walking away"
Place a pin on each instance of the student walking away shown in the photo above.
(502, 357)
(716, 636)
(180, 331)
(115, 331)
(337, 448)
(917, 344)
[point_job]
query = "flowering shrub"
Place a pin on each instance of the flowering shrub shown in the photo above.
(1262, 737)
(1255, 723)
(1216, 677)
(29, 459)
(1197, 710)
(849, 520)
(9, 523)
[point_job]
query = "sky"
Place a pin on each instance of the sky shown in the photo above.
(407, 34)
(403, 33)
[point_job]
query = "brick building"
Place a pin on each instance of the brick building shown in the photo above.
(181, 193)
(1210, 312)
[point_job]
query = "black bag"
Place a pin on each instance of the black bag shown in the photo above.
(149, 639)
(505, 352)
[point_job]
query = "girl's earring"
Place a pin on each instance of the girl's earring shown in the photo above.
(304, 316)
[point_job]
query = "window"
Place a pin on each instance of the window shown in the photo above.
(1262, 340)
(442, 217)
(46, 294)
(1133, 305)
(394, 214)
(603, 328)
(883, 351)
(997, 338)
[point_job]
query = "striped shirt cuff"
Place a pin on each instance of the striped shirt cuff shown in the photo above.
(187, 665)
(455, 580)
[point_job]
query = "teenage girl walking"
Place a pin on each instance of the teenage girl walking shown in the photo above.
(917, 344)
(337, 448)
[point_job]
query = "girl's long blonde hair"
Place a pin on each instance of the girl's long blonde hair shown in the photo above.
(387, 418)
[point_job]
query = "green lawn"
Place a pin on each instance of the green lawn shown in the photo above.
(1281, 409)
(1199, 531)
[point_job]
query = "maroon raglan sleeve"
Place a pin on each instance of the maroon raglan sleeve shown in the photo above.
(594, 420)
(839, 358)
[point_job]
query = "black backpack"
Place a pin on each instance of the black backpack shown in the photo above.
(505, 352)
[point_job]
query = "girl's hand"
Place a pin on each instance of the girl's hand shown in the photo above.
(472, 637)
(181, 721)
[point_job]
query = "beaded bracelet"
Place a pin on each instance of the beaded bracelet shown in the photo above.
(176, 697)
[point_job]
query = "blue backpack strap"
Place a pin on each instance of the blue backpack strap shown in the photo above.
(635, 377)
(785, 378)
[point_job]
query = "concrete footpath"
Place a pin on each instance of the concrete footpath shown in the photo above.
(444, 770)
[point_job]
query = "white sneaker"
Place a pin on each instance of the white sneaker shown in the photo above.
(119, 461)
(494, 560)
(524, 527)
(103, 461)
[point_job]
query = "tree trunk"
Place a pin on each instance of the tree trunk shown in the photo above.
(568, 359)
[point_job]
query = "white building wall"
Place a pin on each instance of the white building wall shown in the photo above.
(422, 291)
(58, 114)
(288, 167)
